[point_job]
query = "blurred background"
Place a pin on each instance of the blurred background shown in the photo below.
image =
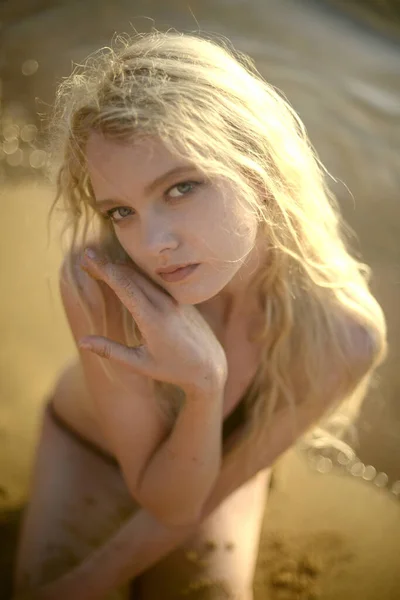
(330, 532)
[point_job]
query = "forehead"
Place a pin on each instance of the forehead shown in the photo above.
(117, 168)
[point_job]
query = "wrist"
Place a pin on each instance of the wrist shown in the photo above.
(207, 386)
(204, 392)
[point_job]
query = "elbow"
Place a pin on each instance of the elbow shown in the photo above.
(179, 521)
(169, 512)
(174, 519)
(172, 511)
(178, 503)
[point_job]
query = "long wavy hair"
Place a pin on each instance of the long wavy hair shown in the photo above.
(208, 104)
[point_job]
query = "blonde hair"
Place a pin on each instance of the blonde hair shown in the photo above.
(314, 294)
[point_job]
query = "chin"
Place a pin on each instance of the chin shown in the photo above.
(191, 297)
(196, 294)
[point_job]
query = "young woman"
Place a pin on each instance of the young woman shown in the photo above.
(218, 317)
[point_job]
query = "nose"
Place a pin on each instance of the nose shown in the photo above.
(158, 236)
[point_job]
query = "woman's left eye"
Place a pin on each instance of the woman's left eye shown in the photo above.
(181, 189)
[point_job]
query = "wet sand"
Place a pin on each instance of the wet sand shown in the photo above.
(326, 536)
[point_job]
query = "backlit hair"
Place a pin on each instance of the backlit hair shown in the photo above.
(208, 104)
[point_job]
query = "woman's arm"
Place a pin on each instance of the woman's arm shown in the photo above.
(186, 466)
(154, 459)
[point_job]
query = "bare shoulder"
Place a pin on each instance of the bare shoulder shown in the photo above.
(350, 363)
(360, 350)
(361, 344)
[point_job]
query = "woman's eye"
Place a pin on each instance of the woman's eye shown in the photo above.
(119, 213)
(181, 189)
(177, 191)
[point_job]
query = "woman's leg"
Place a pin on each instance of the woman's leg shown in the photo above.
(219, 561)
(78, 499)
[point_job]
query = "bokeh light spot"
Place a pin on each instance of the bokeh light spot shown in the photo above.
(29, 67)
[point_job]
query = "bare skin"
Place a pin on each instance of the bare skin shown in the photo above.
(128, 424)
(224, 366)
(74, 403)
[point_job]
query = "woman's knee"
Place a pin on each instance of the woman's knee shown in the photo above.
(194, 576)
(218, 562)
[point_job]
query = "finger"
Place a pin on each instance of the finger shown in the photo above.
(154, 292)
(110, 271)
(125, 286)
(135, 358)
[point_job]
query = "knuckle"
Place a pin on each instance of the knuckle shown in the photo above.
(105, 351)
(122, 280)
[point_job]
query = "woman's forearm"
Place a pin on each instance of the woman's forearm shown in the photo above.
(182, 472)
(140, 543)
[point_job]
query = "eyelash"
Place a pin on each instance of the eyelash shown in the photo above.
(109, 213)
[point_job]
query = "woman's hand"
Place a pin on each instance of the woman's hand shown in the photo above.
(179, 346)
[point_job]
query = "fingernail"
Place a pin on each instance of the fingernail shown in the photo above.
(90, 253)
(84, 345)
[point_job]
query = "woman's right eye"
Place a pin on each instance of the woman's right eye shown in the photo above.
(110, 214)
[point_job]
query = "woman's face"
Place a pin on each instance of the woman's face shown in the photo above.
(165, 213)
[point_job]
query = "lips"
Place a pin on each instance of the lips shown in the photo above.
(178, 274)
(174, 268)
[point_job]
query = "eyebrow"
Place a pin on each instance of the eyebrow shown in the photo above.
(150, 187)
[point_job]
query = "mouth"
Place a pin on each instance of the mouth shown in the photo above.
(179, 274)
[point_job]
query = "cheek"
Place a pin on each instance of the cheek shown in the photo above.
(237, 238)
(127, 241)
(235, 224)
